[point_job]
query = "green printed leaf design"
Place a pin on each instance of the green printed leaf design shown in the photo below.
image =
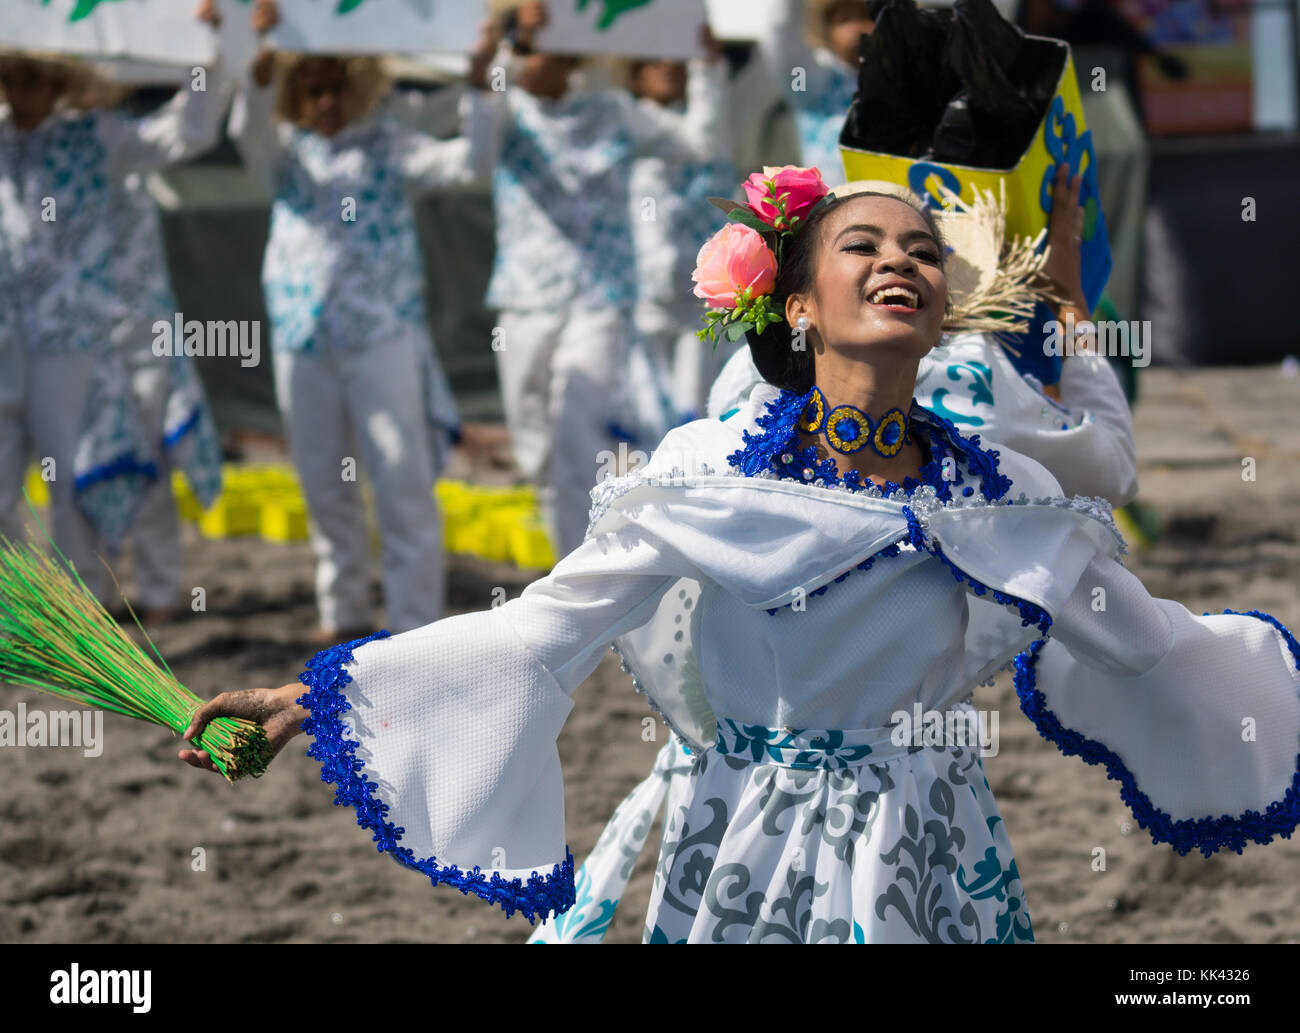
(612, 10)
(346, 6)
(83, 9)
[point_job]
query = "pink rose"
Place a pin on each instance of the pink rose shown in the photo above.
(804, 188)
(734, 258)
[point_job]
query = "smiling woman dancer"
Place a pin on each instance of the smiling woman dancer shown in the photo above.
(803, 820)
(1090, 450)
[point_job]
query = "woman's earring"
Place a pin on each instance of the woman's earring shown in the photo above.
(802, 323)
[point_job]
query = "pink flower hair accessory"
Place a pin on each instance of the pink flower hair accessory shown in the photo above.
(783, 197)
(736, 269)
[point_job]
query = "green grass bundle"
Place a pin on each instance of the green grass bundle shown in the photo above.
(55, 636)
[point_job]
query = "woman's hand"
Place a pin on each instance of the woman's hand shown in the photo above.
(274, 709)
(266, 16)
(529, 18)
(1064, 265)
(208, 12)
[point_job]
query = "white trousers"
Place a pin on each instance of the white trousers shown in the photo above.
(694, 365)
(669, 331)
(42, 419)
(333, 404)
(563, 383)
(156, 531)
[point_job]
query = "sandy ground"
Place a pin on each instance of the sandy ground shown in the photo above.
(104, 849)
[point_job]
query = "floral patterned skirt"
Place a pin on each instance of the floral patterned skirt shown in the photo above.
(781, 836)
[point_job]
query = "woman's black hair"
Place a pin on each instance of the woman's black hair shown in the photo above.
(773, 351)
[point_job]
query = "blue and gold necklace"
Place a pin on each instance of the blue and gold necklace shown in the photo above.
(849, 430)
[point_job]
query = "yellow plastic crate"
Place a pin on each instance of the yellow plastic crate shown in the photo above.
(283, 519)
(530, 546)
(499, 523)
(38, 490)
(187, 505)
(231, 516)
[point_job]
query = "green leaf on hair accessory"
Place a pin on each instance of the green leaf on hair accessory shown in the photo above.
(725, 203)
(742, 214)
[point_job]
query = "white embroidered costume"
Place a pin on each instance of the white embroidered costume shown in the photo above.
(1087, 445)
(564, 275)
(344, 290)
(778, 623)
(58, 183)
(174, 419)
(671, 220)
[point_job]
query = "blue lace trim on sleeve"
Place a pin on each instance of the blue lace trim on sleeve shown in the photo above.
(325, 676)
(1205, 834)
(1030, 613)
(887, 552)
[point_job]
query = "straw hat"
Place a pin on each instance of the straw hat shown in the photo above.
(993, 282)
(815, 18)
(82, 86)
(66, 63)
(367, 82)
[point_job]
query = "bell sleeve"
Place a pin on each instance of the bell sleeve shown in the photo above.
(1094, 453)
(1197, 718)
(443, 739)
(1085, 440)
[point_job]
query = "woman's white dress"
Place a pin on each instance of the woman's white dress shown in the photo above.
(805, 816)
(1085, 440)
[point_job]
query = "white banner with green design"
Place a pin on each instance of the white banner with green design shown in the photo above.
(667, 29)
(167, 30)
(378, 26)
(151, 30)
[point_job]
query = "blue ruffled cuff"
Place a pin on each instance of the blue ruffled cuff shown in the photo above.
(1208, 834)
(325, 676)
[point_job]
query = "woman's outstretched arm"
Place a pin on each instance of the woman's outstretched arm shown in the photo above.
(443, 739)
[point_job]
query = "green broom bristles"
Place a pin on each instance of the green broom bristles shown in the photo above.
(56, 637)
